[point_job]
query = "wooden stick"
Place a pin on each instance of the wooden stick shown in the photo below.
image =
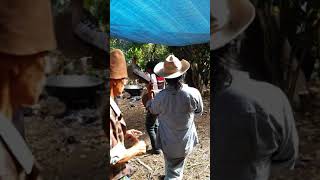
(195, 165)
(144, 165)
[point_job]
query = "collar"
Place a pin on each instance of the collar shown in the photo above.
(169, 87)
(115, 107)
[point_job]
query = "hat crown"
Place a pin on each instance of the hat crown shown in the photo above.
(118, 65)
(172, 64)
(220, 14)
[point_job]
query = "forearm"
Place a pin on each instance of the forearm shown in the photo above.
(130, 154)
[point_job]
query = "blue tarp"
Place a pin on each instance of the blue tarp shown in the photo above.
(167, 22)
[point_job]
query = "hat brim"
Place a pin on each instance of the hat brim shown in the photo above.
(159, 70)
(243, 13)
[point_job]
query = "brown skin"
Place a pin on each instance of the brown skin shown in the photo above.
(21, 82)
(139, 147)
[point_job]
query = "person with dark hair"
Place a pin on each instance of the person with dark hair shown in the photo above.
(176, 107)
(152, 123)
(157, 84)
(253, 128)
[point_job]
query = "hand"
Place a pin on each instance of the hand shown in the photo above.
(150, 91)
(133, 132)
(139, 148)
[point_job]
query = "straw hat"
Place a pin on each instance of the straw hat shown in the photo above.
(118, 65)
(229, 19)
(172, 67)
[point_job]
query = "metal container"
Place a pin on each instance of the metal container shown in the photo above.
(74, 88)
(133, 90)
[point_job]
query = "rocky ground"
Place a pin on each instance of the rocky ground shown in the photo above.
(69, 147)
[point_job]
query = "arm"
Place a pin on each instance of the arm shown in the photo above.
(153, 105)
(138, 149)
(287, 153)
(119, 154)
(199, 103)
(139, 73)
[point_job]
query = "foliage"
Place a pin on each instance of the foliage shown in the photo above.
(142, 52)
(98, 8)
(296, 22)
(302, 25)
(199, 57)
(60, 6)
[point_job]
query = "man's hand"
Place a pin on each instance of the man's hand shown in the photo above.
(150, 91)
(139, 148)
(133, 132)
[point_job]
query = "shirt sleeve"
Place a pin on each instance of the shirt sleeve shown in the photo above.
(196, 101)
(117, 153)
(199, 104)
(276, 134)
(154, 105)
(287, 153)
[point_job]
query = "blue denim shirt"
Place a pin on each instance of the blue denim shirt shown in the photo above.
(253, 130)
(176, 110)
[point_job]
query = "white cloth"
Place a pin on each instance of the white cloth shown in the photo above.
(116, 153)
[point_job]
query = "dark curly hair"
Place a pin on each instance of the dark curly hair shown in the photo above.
(224, 59)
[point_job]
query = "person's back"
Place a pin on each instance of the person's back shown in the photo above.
(176, 110)
(254, 130)
(178, 104)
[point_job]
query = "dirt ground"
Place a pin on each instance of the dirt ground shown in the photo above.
(198, 163)
(66, 149)
(71, 151)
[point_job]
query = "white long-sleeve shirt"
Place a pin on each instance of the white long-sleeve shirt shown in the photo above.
(253, 130)
(176, 110)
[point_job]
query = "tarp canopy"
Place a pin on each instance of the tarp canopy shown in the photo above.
(167, 22)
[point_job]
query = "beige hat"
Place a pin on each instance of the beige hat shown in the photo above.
(229, 18)
(172, 67)
(118, 65)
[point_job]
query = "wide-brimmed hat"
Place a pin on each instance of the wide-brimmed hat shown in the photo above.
(172, 67)
(229, 18)
(118, 65)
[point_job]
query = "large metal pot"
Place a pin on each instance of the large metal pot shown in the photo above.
(74, 88)
(133, 90)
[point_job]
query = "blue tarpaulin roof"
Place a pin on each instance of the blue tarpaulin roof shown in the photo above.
(168, 22)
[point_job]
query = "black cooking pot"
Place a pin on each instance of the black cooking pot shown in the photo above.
(133, 90)
(74, 88)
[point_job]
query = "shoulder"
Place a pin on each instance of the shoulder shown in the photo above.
(251, 95)
(191, 90)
